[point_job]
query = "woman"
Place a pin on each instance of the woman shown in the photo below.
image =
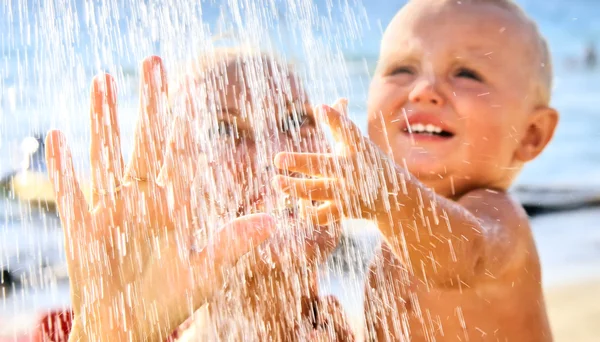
(138, 267)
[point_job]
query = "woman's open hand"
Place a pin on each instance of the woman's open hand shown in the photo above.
(134, 274)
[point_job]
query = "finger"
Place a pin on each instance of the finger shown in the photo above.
(236, 239)
(305, 245)
(72, 207)
(341, 105)
(181, 160)
(343, 129)
(322, 189)
(179, 169)
(313, 164)
(325, 214)
(105, 148)
(150, 135)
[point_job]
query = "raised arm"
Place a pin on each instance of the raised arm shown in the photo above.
(447, 243)
(440, 241)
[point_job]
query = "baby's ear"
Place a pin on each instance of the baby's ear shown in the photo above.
(541, 125)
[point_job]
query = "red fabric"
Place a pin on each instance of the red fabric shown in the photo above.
(55, 326)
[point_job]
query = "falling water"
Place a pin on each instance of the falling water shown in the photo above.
(52, 49)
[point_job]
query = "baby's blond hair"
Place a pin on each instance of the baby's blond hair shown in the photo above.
(542, 86)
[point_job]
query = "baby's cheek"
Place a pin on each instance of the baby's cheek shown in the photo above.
(482, 123)
(383, 97)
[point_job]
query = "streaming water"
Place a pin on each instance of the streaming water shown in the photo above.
(52, 49)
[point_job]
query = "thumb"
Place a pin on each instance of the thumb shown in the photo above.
(228, 245)
(239, 237)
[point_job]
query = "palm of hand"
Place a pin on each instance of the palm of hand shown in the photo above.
(127, 258)
(131, 268)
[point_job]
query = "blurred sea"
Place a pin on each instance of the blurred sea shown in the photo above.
(50, 50)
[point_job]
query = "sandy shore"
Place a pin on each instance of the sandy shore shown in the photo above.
(574, 311)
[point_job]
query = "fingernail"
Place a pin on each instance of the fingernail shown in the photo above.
(283, 161)
(341, 106)
(98, 95)
(104, 89)
(53, 157)
(111, 90)
(154, 73)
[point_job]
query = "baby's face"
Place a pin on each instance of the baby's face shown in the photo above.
(254, 115)
(452, 94)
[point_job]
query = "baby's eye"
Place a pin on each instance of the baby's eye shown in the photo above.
(402, 70)
(470, 74)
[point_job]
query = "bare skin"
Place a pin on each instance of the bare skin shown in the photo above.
(489, 288)
(458, 262)
(118, 246)
(499, 298)
(254, 124)
(144, 216)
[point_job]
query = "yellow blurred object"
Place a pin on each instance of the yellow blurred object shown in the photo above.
(35, 187)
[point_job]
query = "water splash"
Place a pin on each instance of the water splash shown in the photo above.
(52, 49)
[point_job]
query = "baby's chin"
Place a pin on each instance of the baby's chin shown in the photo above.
(445, 181)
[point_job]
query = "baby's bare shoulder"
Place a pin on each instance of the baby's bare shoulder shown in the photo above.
(494, 204)
(508, 240)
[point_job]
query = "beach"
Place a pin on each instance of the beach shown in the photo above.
(569, 245)
(44, 84)
(574, 311)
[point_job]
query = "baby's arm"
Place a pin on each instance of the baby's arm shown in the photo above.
(442, 242)
(503, 252)
(446, 243)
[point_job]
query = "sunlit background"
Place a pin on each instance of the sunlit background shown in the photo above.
(51, 49)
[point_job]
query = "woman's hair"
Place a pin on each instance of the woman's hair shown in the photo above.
(211, 66)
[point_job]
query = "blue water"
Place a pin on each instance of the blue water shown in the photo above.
(50, 50)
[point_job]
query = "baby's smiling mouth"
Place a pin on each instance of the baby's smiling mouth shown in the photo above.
(427, 129)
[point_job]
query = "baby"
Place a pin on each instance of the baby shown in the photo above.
(458, 104)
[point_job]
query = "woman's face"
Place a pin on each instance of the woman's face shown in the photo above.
(258, 109)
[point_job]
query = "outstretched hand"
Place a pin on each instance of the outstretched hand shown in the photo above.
(133, 272)
(358, 181)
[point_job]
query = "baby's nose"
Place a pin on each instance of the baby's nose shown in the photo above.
(425, 92)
